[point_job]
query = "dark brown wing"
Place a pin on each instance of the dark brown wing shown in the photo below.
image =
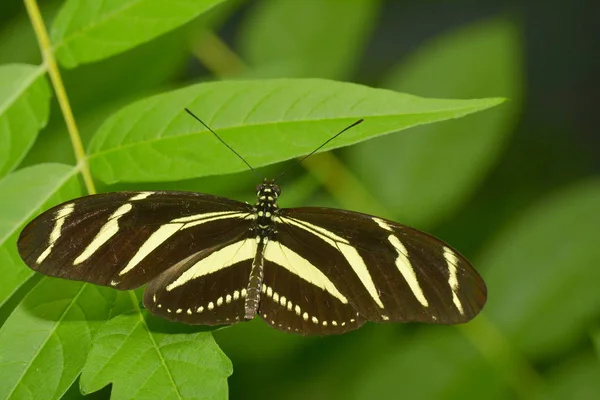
(126, 239)
(386, 271)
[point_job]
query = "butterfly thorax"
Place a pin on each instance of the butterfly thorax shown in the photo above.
(266, 209)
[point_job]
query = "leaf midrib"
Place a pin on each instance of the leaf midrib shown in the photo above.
(163, 362)
(107, 17)
(22, 88)
(263, 124)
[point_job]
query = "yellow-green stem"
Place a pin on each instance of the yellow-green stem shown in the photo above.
(216, 56)
(501, 354)
(340, 182)
(50, 62)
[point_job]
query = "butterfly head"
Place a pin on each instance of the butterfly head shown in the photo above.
(268, 191)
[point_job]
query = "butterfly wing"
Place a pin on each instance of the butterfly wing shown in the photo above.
(385, 271)
(309, 305)
(126, 239)
(206, 288)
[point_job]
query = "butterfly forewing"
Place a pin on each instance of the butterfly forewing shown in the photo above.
(391, 272)
(126, 239)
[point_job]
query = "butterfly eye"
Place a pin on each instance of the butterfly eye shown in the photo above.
(276, 190)
(258, 188)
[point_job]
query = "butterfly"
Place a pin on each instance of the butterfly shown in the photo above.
(211, 260)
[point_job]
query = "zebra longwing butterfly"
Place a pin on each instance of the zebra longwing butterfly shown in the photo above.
(211, 260)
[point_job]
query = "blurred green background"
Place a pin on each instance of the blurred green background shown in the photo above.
(515, 188)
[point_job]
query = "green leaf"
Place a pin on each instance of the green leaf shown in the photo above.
(24, 110)
(542, 272)
(289, 38)
(45, 341)
(265, 120)
(117, 81)
(435, 168)
(23, 195)
(433, 365)
(89, 30)
(145, 364)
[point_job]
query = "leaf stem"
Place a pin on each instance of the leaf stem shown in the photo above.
(216, 55)
(501, 354)
(343, 185)
(50, 62)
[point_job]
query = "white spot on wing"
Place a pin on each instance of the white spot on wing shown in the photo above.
(65, 211)
(140, 196)
(382, 224)
(44, 254)
(452, 261)
(350, 254)
(217, 261)
(156, 239)
(108, 230)
(296, 264)
(199, 219)
(59, 220)
(405, 267)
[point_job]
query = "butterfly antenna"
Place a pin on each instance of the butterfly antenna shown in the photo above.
(299, 161)
(222, 141)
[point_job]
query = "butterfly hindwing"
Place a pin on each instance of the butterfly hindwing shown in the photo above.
(207, 288)
(125, 239)
(298, 297)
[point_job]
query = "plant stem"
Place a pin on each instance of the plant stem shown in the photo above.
(343, 185)
(50, 62)
(216, 56)
(494, 346)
